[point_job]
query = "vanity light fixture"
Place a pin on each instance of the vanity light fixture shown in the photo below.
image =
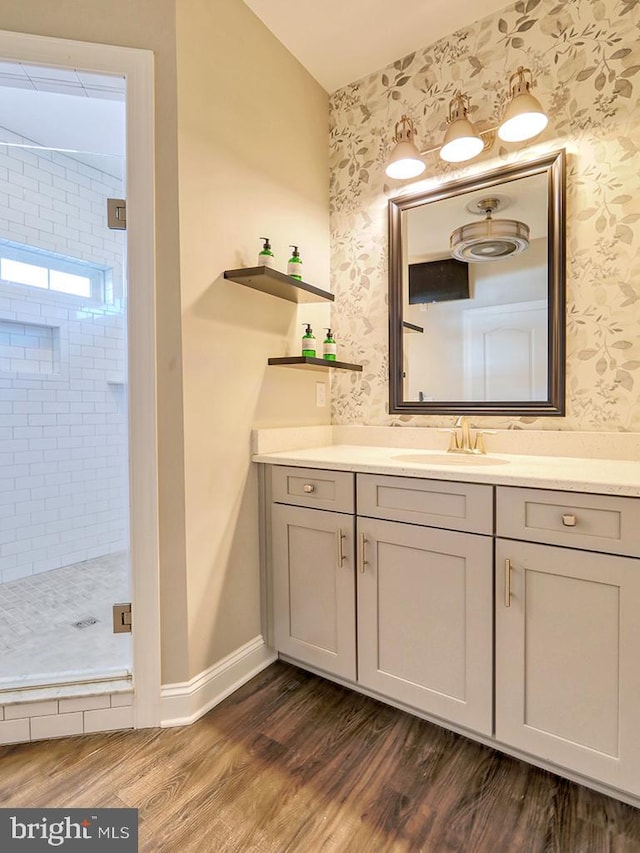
(462, 141)
(405, 160)
(523, 119)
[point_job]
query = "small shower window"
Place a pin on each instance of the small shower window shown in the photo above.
(51, 271)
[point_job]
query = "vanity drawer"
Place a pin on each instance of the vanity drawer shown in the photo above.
(434, 503)
(313, 487)
(593, 522)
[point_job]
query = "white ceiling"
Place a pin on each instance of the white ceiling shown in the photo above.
(339, 41)
(60, 108)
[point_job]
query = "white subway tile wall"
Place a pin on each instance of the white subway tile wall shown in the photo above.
(64, 717)
(63, 404)
(15, 731)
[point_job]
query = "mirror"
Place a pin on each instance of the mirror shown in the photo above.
(477, 294)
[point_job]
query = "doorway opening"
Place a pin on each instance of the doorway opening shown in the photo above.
(78, 461)
(64, 539)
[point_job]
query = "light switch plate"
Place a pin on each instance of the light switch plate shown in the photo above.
(321, 394)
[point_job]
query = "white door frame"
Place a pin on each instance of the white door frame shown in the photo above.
(137, 66)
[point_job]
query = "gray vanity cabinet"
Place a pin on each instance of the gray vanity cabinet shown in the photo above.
(313, 578)
(402, 570)
(425, 595)
(568, 632)
(425, 627)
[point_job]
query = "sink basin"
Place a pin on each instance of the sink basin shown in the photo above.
(450, 459)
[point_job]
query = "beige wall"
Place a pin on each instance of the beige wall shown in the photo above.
(147, 24)
(253, 160)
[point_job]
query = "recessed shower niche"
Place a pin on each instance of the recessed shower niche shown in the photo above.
(29, 348)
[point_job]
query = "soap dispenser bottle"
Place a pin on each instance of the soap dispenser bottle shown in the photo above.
(308, 342)
(265, 256)
(329, 347)
(294, 267)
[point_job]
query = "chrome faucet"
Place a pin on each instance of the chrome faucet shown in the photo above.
(464, 439)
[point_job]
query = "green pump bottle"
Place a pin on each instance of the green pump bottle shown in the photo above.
(265, 256)
(308, 342)
(329, 347)
(294, 267)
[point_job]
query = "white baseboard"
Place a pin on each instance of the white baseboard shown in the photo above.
(182, 704)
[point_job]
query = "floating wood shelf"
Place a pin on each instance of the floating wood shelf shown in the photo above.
(278, 284)
(411, 327)
(313, 363)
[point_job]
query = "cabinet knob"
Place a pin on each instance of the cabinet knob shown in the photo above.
(308, 487)
(568, 520)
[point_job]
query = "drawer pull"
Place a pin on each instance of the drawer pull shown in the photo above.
(363, 562)
(340, 537)
(568, 520)
(507, 583)
(308, 487)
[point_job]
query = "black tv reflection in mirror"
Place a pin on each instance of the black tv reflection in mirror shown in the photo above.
(438, 281)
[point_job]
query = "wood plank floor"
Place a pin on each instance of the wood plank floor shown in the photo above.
(292, 762)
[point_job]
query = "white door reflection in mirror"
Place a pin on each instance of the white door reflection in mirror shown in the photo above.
(505, 352)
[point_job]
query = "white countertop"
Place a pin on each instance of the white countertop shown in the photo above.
(574, 474)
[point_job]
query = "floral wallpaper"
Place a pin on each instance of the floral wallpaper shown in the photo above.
(585, 56)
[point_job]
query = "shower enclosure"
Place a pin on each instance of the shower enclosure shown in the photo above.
(64, 487)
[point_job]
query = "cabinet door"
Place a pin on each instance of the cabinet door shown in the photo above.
(314, 588)
(567, 659)
(425, 619)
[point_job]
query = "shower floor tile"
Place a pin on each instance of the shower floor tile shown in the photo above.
(39, 642)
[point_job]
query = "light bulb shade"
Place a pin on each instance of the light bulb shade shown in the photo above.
(524, 118)
(405, 161)
(491, 240)
(461, 142)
